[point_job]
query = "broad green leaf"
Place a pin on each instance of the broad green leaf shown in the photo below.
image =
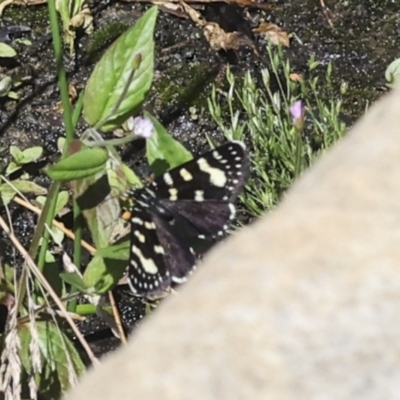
(102, 274)
(131, 177)
(17, 154)
(59, 352)
(24, 352)
(99, 202)
(12, 167)
(112, 76)
(5, 86)
(163, 151)
(25, 42)
(57, 235)
(13, 95)
(82, 164)
(7, 51)
(7, 281)
(51, 272)
(32, 154)
(118, 251)
(59, 357)
(28, 187)
(73, 279)
(62, 200)
(8, 191)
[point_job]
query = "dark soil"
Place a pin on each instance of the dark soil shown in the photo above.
(364, 40)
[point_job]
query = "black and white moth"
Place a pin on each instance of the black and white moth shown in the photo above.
(194, 200)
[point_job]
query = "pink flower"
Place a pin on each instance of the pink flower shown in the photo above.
(142, 127)
(297, 111)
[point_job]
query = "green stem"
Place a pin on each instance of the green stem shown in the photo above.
(298, 155)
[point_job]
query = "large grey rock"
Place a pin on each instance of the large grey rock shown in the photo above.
(304, 304)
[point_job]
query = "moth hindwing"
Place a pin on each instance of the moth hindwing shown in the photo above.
(192, 201)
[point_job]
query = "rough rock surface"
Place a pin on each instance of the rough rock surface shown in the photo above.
(304, 304)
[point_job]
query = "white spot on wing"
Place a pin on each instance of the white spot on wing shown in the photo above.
(150, 192)
(216, 155)
(185, 174)
(147, 264)
(173, 194)
(136, 220)
(149, 225)
(199, 195)
(175, 279)
(159, 249)
(141, 238)
(168, 179)
(217, 176)
(232, 209)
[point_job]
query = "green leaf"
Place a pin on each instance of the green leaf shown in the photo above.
(6, 84)
(8, 191)
(102, 274)
(100, 206)
(7, 51)
(32, 154)
(13, 95)
(59, 352)
(163, 151)
(60, 144)
(12, 167)
(113, 74)
(392, 73)
(51, 273)
(73, 279)
(62, 200)
(24, 352)
(118, 251)
(28, 187)
(58, 356)
(16, 154)
(82, 164)
(131, 177)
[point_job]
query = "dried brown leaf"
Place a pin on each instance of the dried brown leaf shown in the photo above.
(295, 77)
(217, 37)
(241, 3)
(273, 33)
(194, 15)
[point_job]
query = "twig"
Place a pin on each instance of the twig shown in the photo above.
(91, 250)
(241, 3)
(327, 13)
(38, 274)
(117, 318)
(57, 224)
